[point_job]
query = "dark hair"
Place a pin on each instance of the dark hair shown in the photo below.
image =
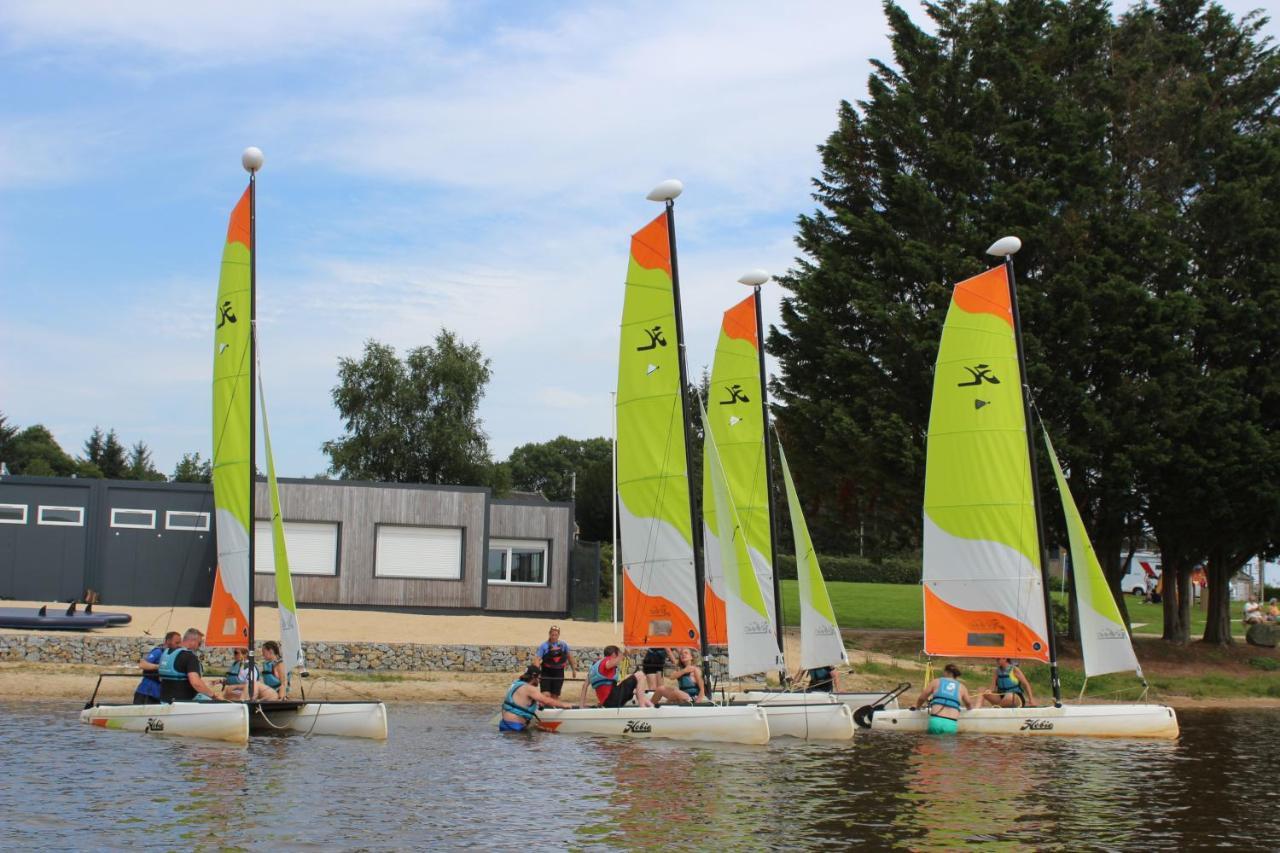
(530, 673)
(952, 670)
(169, 636)
(273, 645)
(611, 650)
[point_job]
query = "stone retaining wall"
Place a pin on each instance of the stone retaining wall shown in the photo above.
(383, 657)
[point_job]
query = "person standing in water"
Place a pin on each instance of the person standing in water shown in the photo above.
(552, 657)
(945, 697)
(520, 705)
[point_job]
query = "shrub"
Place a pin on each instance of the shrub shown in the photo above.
(1265, 664)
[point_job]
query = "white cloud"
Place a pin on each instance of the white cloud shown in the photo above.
(212, 33)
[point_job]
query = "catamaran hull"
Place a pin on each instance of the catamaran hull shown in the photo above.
(339, 719)
(854, 701)
(1145, 721)
(833, 721)
(227, 721)
(720, 724)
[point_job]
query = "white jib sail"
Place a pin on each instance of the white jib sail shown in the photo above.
(290, 633)
(820, 640)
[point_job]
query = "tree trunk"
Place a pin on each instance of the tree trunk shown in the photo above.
(1114, 569)
(1177, 610)
(1217, 627)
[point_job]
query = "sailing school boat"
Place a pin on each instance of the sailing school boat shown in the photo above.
(661, 563)
(740, 426)
(231, 611)
(985, 589)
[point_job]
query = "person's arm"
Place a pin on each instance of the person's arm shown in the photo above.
(926, 693)
(965, 698)
(697, 679)
(550, 701)
(835, 680)
(582, 701)
(537, 656)
(1026, 685)
(147, 666)
(573, 664)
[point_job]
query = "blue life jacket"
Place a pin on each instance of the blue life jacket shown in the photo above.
(820, 679)
(688, 685)
(269, 675)
(509, 705)
(1006, 682)
(233, 674)
(167, 672)
(947, 695)
(598, 679)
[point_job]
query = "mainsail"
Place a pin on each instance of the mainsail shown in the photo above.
(736, 421)
(820, 640)
(983, 595)
(290, 635)
(1104, 639)
(752, 641)
(660, 601)
(232, 452)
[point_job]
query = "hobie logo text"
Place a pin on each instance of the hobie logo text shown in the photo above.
(639, 726)
(1036, 726)
(154, 725)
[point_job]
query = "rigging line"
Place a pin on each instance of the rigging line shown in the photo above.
(186, 566)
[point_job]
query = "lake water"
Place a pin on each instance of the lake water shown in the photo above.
(447, 779)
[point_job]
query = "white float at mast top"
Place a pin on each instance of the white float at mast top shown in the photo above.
(668, 190)
(754, 278)
(1004, 247)
(252, 159)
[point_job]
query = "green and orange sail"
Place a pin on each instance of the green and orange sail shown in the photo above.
(983, 595)
(660, 603)
(232, 451)
(736, 421)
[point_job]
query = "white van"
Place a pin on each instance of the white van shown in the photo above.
(1144, 571)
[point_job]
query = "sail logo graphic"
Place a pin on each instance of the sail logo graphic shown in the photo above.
(154, 725)
(226, 314)
(1036, 726)
(978, 374)
(735, 395)
(655, 339)
(825, 630)
(636, 727)
(1112, 634)
(760, 626)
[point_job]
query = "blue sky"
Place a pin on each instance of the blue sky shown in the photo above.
(472, 165)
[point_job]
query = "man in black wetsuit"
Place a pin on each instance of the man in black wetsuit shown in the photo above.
(181, 679)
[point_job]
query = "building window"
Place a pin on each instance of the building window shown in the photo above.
(312, 547)
(180, 520)
(522, 562)
(430, 553)
(138, 519)
(13, 513)
(61, 516)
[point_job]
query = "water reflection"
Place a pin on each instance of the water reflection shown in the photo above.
(446, 779)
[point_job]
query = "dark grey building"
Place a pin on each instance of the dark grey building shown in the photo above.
(350, 544)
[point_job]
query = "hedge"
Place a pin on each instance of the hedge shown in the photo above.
(903, 568)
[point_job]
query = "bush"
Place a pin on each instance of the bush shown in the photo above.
(903, 568)
(1265, 664)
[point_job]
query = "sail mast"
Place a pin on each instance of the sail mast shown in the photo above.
(754, 280)
(252, 159)
(667, 192)
(1005, 248)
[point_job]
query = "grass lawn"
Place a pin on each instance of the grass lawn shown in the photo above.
(862, 606)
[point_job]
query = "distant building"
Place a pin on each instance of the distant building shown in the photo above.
(351, 544)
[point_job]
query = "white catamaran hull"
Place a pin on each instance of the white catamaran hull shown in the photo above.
(227, 721)
(744, 724)
(1148, 721)
(854, 701)
(833, 721)
(342, 719)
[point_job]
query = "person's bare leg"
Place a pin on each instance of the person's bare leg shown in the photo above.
(670, 694)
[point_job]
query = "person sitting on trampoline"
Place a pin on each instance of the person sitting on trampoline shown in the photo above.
(614, 692)
(1009, 687)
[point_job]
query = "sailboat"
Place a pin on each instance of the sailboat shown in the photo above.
(986, 591)
(739, 425)
(662, 566)
(231, 611)
(751, 632)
